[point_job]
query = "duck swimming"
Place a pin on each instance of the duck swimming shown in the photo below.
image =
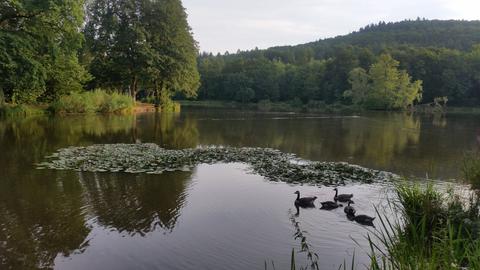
(349, 210)
(329, 205)
(362, 219)
(342, 197)
(304, 201)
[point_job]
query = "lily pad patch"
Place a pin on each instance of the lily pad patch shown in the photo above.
(152, 159)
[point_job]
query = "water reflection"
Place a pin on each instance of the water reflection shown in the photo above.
(382, 139)
(47, 214)
(136, 204)
(40, 219)
(297, 208)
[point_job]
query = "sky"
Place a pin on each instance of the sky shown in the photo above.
(229, 25)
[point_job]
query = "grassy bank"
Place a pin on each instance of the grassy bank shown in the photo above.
(8, 110)
(97, 101)
(432, 231)
(471, 168)
(293, 106)
(91, 102)
(312, 106)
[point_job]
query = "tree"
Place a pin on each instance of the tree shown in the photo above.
(39, 42)
(142, 44)
(359, 80)
(384, 87)
(173, 66)
(116, 37)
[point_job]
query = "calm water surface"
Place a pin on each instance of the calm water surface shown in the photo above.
(217, 216)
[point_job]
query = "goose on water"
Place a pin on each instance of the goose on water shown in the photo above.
(304, 201)
(342, 197)
(349, 210)
(329, 205)
(362, 219)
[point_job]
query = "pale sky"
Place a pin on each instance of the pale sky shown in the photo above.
(221, 25)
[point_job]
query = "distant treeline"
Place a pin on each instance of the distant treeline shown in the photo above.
(443, 55)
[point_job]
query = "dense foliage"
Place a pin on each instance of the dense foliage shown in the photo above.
(141, 44)
(39, 41)
(384, 87)
(444, 55)
(48, 51)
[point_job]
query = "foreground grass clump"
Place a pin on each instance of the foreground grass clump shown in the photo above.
(433, 230)
(98, 101)
(471, 168)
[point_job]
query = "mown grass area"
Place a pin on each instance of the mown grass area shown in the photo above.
(98, 101)
(433, 230)
(266, 105)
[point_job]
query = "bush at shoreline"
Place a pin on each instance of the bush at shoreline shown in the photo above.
(98, 101)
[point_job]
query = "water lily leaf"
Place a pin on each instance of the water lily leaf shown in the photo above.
(152, 159)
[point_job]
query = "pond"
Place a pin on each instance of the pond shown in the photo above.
(214, 216)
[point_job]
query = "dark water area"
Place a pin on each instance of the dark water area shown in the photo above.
(218, 216)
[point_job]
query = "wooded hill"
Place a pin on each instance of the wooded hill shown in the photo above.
(444, 55)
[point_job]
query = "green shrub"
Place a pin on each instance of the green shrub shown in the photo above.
(98, 101)
(471, 168)
(19, 110)
(167, 104)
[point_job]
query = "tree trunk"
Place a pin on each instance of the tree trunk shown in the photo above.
(133, 88)
(157, 96)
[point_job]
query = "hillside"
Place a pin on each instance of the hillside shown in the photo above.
(451, 34)
(443, 55)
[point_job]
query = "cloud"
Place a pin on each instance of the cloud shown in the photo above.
(221, 25)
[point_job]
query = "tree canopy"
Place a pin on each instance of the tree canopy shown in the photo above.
(39, 41)
(384, 86)
(48, 50)
(142, 44)
(145, 48)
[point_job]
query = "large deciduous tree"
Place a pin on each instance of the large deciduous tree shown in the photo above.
(384, 87)
(142, 44)
(39, 43)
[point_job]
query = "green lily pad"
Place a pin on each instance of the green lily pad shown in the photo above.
(152, 159)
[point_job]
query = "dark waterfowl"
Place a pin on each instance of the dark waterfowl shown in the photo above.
(342, 197)
(364, 219)
(329, 205)
(349, 210)
(304, 201)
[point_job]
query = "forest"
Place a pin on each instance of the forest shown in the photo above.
(77, 53)
(443, 55)
(52, 50)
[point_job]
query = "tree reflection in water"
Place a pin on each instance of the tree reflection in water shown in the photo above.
(136, 204)
(40, 219)
(44, 214)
